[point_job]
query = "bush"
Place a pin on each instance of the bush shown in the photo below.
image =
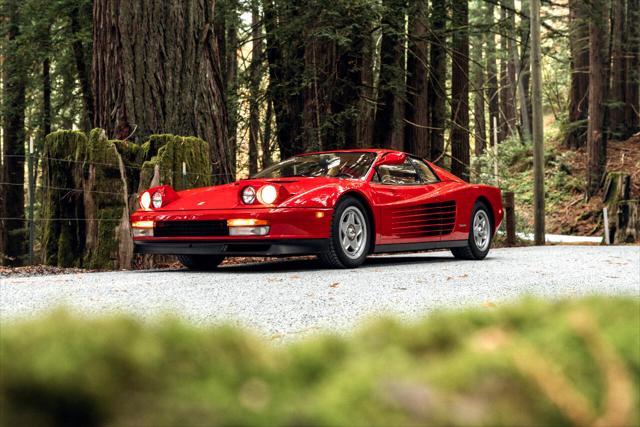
(535, 363)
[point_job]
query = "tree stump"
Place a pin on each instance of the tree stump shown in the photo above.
(624, 224)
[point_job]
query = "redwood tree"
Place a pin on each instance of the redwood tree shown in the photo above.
(14, 81)
(460, 90)
(597, 132)
(437, 78)
(579, 92)
(417, 108)
(157, 70)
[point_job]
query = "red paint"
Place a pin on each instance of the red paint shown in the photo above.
(293, 216)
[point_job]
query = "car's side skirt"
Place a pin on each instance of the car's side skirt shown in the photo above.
(423, 246)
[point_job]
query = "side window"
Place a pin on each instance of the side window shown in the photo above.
(426, 174)
(404, 174)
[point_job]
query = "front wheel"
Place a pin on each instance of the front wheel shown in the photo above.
(201, 262)
(480, 235)
(349, 242)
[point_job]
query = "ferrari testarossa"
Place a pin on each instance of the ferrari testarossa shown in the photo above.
(338, 205)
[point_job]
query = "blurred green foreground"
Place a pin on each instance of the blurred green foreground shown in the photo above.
(533, 363)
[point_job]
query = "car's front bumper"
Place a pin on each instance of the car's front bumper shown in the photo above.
(264, 247)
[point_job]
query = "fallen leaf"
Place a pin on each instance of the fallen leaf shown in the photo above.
(334, 285)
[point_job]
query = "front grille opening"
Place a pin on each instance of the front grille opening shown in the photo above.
(190, 228)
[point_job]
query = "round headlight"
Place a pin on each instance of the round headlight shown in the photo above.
(248, 195)
(268, 194)
(157, 200)
(145, 200)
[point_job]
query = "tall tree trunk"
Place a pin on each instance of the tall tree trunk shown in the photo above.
(266, 136)
(538, 129)
(14, 80)
(507, 76)
(632, 99)
(460, 90)
(46, 97)
(617, 123)
(83, 69)
(417, 107)
(493, 98)
(367, 105)
(231, 82)
(152, 78)
(255, 77)
(286, 62)
(389, 128)
(480, 125)
(517, 83)
(576, 135)
(597, 131)
(524, 77)
(438, 78)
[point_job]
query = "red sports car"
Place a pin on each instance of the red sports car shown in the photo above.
(338, 205)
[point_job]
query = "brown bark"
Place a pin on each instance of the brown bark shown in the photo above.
(576, 135)
(231, 80)
(83, 69)
(437, 79)
(417, 107)
(367, 95)
(507, 119)
(255, 77)
(157, 70)
(266, 136)
(617, 123)
(14, 81)
(632, 100)
(460, 91)
(389, 128)
(598, 58)
(480, 125)
(492, 76)
(525, 74)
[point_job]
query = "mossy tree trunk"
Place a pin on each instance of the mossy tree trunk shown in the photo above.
(157, 70)
(63, 226)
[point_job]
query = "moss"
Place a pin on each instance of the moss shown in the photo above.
(475, 367)
(168, 153)
(62, 200)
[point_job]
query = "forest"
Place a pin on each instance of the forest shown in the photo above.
(262, 80)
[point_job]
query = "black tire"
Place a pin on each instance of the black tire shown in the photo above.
(337, 256)
(201, 262)
(472, 251)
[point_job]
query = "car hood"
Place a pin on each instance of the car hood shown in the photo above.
(295, 192)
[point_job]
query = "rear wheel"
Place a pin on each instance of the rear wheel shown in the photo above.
(480, 235)
(201, 262)
(349, 242)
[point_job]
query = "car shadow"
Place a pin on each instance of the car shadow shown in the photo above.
(296, 265)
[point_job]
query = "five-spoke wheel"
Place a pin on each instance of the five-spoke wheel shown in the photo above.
(349, 242)
(480, 235)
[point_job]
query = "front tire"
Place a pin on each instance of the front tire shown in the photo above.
(201, 262)
(350, 238)
(480, 235)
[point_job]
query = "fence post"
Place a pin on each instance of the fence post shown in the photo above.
(31, 201)
(510, 216)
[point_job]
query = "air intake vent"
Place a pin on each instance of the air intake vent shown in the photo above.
(432, 219)
(190, 228)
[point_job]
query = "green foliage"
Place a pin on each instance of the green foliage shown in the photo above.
(561, 363)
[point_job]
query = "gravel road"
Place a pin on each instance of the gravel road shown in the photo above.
(287, 298)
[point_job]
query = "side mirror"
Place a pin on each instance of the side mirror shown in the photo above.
(392, 159)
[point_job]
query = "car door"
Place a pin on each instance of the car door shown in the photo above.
(403, 195)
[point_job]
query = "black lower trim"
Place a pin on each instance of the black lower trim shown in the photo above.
(424, 246)
(237, 248)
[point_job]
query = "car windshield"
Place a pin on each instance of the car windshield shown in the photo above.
(338, 165)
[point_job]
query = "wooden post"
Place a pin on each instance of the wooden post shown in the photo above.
(510, 217)
(605, 216)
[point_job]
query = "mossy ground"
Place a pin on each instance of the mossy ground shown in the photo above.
(531, 363)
